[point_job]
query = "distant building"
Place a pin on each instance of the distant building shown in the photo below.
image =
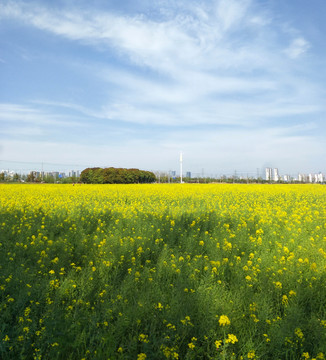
(320, 178)
(272, 174)
(188, 174)
(268, 174)
(276, 176)
(315, 178)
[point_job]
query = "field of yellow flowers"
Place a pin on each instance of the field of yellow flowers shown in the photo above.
(162, 271)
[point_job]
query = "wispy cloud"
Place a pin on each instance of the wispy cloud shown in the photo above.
(201, 52)
(225, 65)
(202, 38)
(34, 116)
(297, 47)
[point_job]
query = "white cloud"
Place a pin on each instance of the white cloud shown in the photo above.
(34, 122)
(21, 131)
(216, 63)
(17, 113)
(199, 40)
(230, 13)
(297, 47)
(203, 63)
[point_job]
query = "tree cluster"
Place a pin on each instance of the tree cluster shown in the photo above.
(116, 176)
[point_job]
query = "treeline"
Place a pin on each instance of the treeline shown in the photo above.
(116, 176)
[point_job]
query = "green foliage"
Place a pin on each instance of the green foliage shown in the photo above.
(116, 176)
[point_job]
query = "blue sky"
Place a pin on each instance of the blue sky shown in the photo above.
(233, 84)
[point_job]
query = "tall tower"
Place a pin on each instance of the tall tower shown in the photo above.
(181, 167)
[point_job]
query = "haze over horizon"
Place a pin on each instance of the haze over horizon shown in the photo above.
(233, 84)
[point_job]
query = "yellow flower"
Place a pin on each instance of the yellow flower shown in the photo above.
(143, 338)
(218, 343)
(267, 339)
(191, 346)
(323, 323)
(285, 300)
(159, 306)
(278, 284)
(141, 356)
(299, 333)
(231, 339)
(251, 354)
(224, 320)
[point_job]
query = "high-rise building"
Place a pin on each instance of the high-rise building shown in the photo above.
(319, 177)
(188, 174)
(268, 174)
(276, 176)
(303, 178)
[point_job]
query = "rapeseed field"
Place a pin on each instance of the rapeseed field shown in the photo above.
(162, 271)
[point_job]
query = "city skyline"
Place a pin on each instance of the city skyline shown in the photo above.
(268, 173)
(233, 84)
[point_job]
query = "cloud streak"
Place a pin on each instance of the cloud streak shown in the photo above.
(297, 47)
(226, 65)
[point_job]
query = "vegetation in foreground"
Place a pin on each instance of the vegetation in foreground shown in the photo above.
(162, 272)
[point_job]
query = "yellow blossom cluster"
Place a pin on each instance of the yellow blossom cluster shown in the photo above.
(168, 271)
